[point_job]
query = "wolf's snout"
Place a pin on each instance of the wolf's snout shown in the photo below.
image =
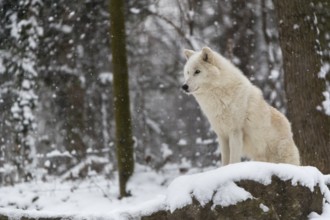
(185, 88)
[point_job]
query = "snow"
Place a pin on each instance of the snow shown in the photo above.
(152, 8)
(325, 69)
(135, 10)
(166, 151)
(15, 110)
(182, 142)
(26, 84)
(92, 198)
(326, 102)
(230, 194)
(2, 66)
(6, 169)
(191, 14)
(106, 77)
(61, 27)
(295, 26)
(75, 172)
(57, 153)
(153, 125)
(96, 197)
(72, 13)
(221, 181)
(204, 142)
(264, 208)
(274, 74)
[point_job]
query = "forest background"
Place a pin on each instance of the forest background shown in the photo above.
(56, 97)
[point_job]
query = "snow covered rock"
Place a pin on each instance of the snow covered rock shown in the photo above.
(251, 190)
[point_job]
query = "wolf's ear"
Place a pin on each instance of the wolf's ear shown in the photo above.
(207, 54)
(188, 53)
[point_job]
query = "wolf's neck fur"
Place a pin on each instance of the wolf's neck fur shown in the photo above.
(232, 86)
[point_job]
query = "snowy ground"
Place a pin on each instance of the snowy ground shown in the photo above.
(96, 197)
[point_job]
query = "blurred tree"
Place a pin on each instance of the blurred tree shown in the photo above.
(74, 86)
(299, 37)
(6, 96)
(124, 140)
(74, 65)
(21, 44)
(272, 86)
(62, 82)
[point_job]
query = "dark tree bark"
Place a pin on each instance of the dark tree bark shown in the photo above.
(302, 62)
(71, 98)
(124, 141)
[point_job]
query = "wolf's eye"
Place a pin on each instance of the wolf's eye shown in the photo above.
(197, 72)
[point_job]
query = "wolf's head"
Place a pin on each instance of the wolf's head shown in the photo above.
(200, 71)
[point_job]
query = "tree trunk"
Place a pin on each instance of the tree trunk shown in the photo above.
(22, 49)
(298, 36)
(124, 141)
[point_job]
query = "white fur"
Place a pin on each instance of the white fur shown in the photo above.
(237, 111)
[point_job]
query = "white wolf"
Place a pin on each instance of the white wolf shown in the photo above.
(237, 111)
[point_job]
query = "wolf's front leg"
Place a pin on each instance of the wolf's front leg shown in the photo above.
(224, 146)
(235, 146)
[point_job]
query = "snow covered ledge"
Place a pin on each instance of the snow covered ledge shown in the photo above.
(247, 190)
